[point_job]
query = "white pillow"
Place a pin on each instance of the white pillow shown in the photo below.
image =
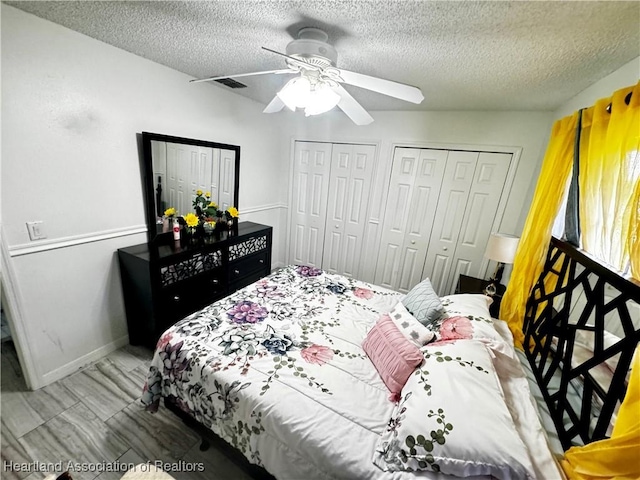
(475, 307)
(452, 418)
(410, 327)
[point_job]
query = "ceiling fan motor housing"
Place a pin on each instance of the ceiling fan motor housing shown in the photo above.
(311, 45)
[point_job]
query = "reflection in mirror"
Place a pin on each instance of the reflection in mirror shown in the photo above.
(180, 170)
(176, 168)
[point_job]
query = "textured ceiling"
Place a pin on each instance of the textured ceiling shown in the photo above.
(523, 55)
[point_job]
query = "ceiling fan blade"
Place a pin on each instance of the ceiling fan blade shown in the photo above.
(380, 85)
(274, 106)
(298, 61)
(281, 71)
(351, 108)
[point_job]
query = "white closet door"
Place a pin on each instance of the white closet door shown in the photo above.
(482, 206)
(227, 176)
(349, 188)
(159, 167)
(414, 189)
(214, 181)
(452, 203)
(311, 171)
(178, 166)
(201, 169)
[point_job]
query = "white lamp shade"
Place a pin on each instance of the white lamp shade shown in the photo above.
(502, 247)
(296, 93)
(321, 100)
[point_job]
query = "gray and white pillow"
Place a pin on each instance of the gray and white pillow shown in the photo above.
(411, 328)
(425, 305)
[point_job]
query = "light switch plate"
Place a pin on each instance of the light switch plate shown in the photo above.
(36, 230)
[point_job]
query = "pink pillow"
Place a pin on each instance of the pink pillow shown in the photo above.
(394, 357)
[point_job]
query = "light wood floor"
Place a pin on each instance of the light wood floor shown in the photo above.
(95, 417)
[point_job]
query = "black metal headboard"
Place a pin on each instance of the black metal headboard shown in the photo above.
(577, 295)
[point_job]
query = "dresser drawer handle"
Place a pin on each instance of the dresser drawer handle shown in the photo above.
(261, 260)
(237, 272)
(215, 281)
(176, 298)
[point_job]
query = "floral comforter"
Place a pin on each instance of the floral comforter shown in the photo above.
(277, 370)
(291, 340)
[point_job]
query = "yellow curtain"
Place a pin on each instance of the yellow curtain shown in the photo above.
(617, 457)
(534, 242)
(634, 234)
(609, 177)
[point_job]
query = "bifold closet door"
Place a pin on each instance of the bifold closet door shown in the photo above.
(471, 191)
(200, 171)
(178, 167)
(227, 177)
(482, 206)
(349, 188)
(414, 189)
(311, 172)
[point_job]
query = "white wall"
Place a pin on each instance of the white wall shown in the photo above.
(527, 131)
(71, 109)
(625, 76)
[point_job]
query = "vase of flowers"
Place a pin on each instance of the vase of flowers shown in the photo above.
(192, 222)
(167, 219)
(210, 217)
(231, 215)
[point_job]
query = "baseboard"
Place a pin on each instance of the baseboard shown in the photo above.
(77, 364)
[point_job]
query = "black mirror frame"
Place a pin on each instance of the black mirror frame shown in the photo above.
(149, 194)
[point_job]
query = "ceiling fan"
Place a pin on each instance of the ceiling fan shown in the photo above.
(317, 87)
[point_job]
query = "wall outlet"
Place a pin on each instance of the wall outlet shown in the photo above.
(36, 230)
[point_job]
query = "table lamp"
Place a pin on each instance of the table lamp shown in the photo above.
(502, 249)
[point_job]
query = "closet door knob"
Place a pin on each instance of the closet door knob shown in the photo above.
(445, 248)
(413, 242)
(337, 226)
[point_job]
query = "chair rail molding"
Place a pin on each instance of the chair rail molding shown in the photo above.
(71, 241)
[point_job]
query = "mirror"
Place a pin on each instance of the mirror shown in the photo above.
(175, 168)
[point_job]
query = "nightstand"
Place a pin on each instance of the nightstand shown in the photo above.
(467, 284)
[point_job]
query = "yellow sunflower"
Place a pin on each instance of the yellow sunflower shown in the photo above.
(191, 220)
(233, 212)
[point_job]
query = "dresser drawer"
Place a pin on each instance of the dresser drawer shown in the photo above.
(195, 265)
(179, 300)
(249, 279)
(252, 264)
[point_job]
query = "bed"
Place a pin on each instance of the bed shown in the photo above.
(282, 371)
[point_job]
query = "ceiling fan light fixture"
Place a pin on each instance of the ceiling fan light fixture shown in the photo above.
(321, 100)
(296, 93)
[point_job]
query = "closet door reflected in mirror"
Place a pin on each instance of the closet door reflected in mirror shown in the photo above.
(176, 168)
(181, 170)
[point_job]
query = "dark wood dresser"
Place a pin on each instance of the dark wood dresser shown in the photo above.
(164, 281)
